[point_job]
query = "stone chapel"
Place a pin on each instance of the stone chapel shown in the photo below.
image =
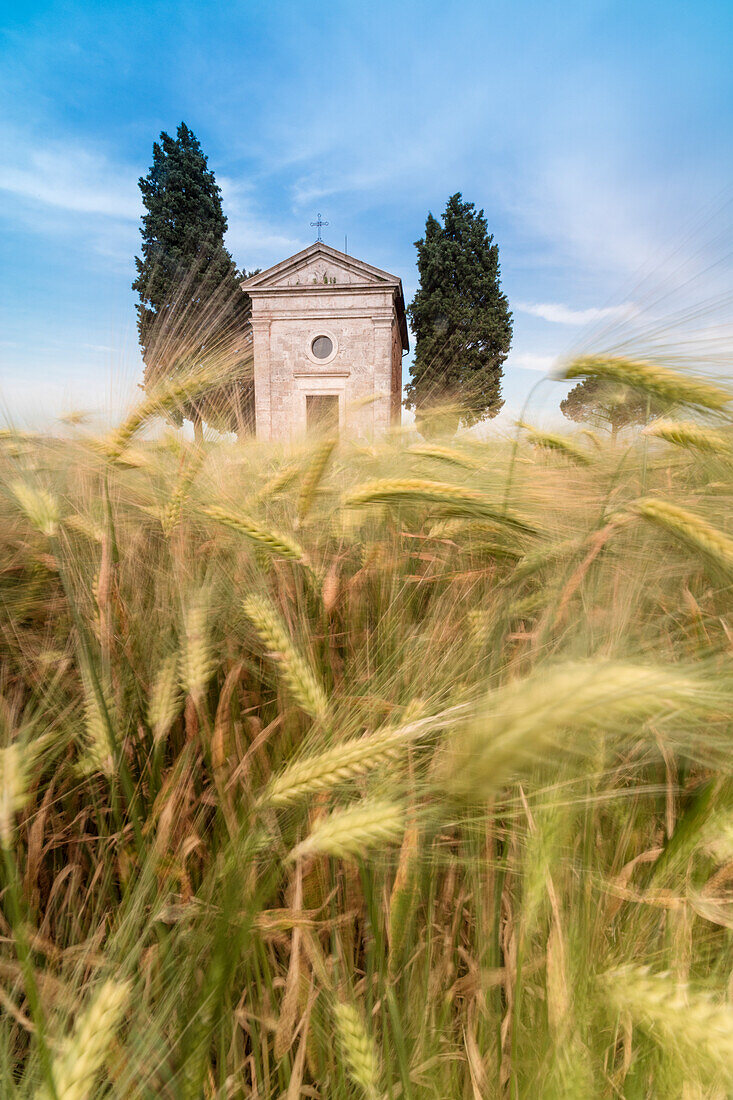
(328, 336)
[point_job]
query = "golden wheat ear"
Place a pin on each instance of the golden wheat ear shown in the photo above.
(277, 544)
(551, 441)
(699, 535)
(452, 499)
(666, 385)
(313, 475)
(692, 436)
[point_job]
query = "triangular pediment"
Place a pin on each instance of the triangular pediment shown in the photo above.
(320, 265)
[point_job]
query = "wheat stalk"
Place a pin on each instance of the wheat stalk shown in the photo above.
(297, 673)
(350, 833)
(660, 382)
(690, 529)
(358, 1049)
(76, 1069)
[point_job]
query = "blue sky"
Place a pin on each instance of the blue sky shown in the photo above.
(595, 135)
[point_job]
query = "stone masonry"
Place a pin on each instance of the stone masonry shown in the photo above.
(359, 310)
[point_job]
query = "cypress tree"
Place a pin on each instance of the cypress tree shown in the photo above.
(460, 318)
(191, 306)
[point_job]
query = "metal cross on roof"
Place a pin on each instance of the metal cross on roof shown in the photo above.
(320, 224)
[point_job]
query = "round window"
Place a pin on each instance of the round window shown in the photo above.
(322, 347)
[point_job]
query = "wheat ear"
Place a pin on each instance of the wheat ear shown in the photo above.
(280, 545)
(172, 392)
(689, 528)
(174, 508)
(667, 385)
(197, 659)
(454, 499)
(685, 1021)
(350, 833)
(692, 436)
(13, 788)
(165, 698)
(444, 454)
(40, 508)
(341, 763)
(521, 721)
(560, 443)
(297, 673)
(313, 475)
(358, 1049)
(97, 755)
(76, 1069)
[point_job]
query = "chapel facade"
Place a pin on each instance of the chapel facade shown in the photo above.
(328, 336)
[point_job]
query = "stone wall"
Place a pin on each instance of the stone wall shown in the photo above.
(361, 326)
(322, 292)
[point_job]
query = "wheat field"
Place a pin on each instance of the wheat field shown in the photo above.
(392, 770)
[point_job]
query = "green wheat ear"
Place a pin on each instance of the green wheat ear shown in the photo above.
(76, 1068)
(679, 1018)
(165, 698)
(40, 507)
(297, 673)
(358, 1050)
(549, 710)
(348, 834)
(344, 762)
(14, 768)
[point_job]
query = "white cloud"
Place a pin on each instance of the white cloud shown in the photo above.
(530, 361)
(69, 177)
(559, 314)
